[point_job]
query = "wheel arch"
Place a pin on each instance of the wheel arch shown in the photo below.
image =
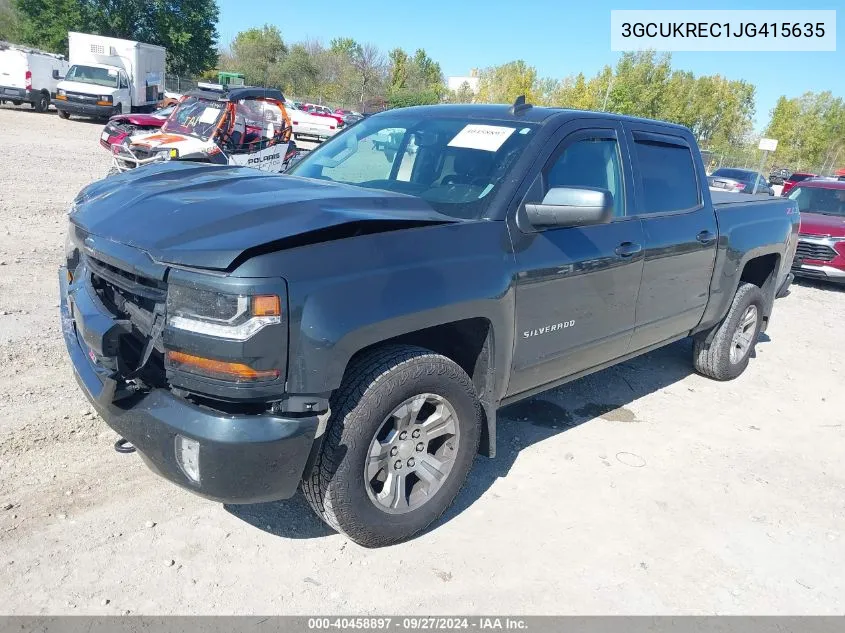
(470, 343)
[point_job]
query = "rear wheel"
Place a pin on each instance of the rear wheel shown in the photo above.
(727, 354)
(404, 431)
(63, 114)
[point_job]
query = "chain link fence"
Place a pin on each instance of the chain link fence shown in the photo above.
(749, 158)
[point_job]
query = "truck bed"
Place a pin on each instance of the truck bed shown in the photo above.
(725, 198)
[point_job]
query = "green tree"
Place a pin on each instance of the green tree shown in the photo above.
(810, 130)
(399, 69)
(45, 23)
(503, 84)
(187, 28)
(258, 53)
(463, 94)
(9, 22)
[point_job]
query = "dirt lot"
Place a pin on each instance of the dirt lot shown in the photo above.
(642, 489)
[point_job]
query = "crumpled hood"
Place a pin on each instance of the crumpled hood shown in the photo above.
(205, 216)
(822, 225)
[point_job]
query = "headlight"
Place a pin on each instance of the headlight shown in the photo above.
(229, 316)
(105, 98)
(60, 92)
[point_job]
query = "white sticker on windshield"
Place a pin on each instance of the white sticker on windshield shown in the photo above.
(486, 137)
(111, 71)
(209, 115)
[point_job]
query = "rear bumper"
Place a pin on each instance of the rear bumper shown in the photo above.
(17, 94)
(242, 458)
(84, 109)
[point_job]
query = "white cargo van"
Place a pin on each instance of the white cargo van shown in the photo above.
(110, 76)
(29, 75)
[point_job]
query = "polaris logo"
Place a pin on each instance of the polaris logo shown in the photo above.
(261, 159)
(549, 328)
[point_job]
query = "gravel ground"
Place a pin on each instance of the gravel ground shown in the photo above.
(642, 489)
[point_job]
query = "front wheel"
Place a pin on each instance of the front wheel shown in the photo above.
(727, 353)
(402, 437)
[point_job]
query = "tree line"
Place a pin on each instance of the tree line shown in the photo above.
(344, 72)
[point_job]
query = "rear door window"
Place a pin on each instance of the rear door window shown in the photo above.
(667, 174)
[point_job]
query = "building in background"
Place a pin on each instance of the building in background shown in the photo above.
(454, 83)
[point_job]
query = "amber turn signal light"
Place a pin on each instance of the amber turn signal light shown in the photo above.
(266, 305)
(236, 372)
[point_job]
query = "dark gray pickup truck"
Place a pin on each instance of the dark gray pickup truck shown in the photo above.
(353, 327)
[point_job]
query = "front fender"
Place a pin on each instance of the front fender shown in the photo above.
(349, 294)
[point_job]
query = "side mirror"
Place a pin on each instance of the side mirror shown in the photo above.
(56, 74)
(571, 206)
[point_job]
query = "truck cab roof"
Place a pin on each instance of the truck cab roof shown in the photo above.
(529, 113)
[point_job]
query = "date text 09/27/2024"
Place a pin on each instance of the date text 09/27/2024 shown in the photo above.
(417, 623)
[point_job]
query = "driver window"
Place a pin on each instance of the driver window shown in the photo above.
(590, 162)
(124, 82)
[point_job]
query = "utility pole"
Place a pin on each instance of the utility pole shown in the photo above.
(607, 92)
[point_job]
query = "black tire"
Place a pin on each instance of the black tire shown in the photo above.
(713, 359)
(336, 487)
(17, 103)
(63, 114)
(43, 102)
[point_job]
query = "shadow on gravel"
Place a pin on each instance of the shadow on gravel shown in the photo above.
(819, 284)
(292, 518)
(605, 395)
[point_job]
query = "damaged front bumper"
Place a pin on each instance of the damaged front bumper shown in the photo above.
(227, 458)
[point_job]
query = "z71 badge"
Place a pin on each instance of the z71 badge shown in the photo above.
(548, 329)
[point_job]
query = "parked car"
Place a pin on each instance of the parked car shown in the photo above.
(739, 181)
(821, 242)
(311, 127)
(243, 126)
(319, 110)
(120, 128)
(28, 75)
(353, 328)
(794, 179)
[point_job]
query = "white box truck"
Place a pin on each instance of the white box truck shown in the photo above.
(28, 75)
(110, 76)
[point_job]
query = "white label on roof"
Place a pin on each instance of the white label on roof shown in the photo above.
(209, 115)
(485, 137)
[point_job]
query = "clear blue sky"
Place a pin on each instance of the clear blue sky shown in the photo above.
(558, 37)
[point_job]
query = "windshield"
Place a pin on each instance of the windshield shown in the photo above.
(93, 75)
(195, 117)
(734, 174)
(454, 165)
(819, 200)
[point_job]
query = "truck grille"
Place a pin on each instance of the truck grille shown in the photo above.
(78, 97)
(137, 299)
(811, 250)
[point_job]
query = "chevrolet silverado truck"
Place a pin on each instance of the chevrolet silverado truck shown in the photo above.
(352, 327)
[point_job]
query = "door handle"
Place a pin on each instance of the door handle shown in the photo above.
(706, 237)
(627, 249)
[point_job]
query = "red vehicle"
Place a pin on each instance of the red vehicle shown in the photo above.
(793, 180)
(318, 110)
(123, 126)
(821, 239)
